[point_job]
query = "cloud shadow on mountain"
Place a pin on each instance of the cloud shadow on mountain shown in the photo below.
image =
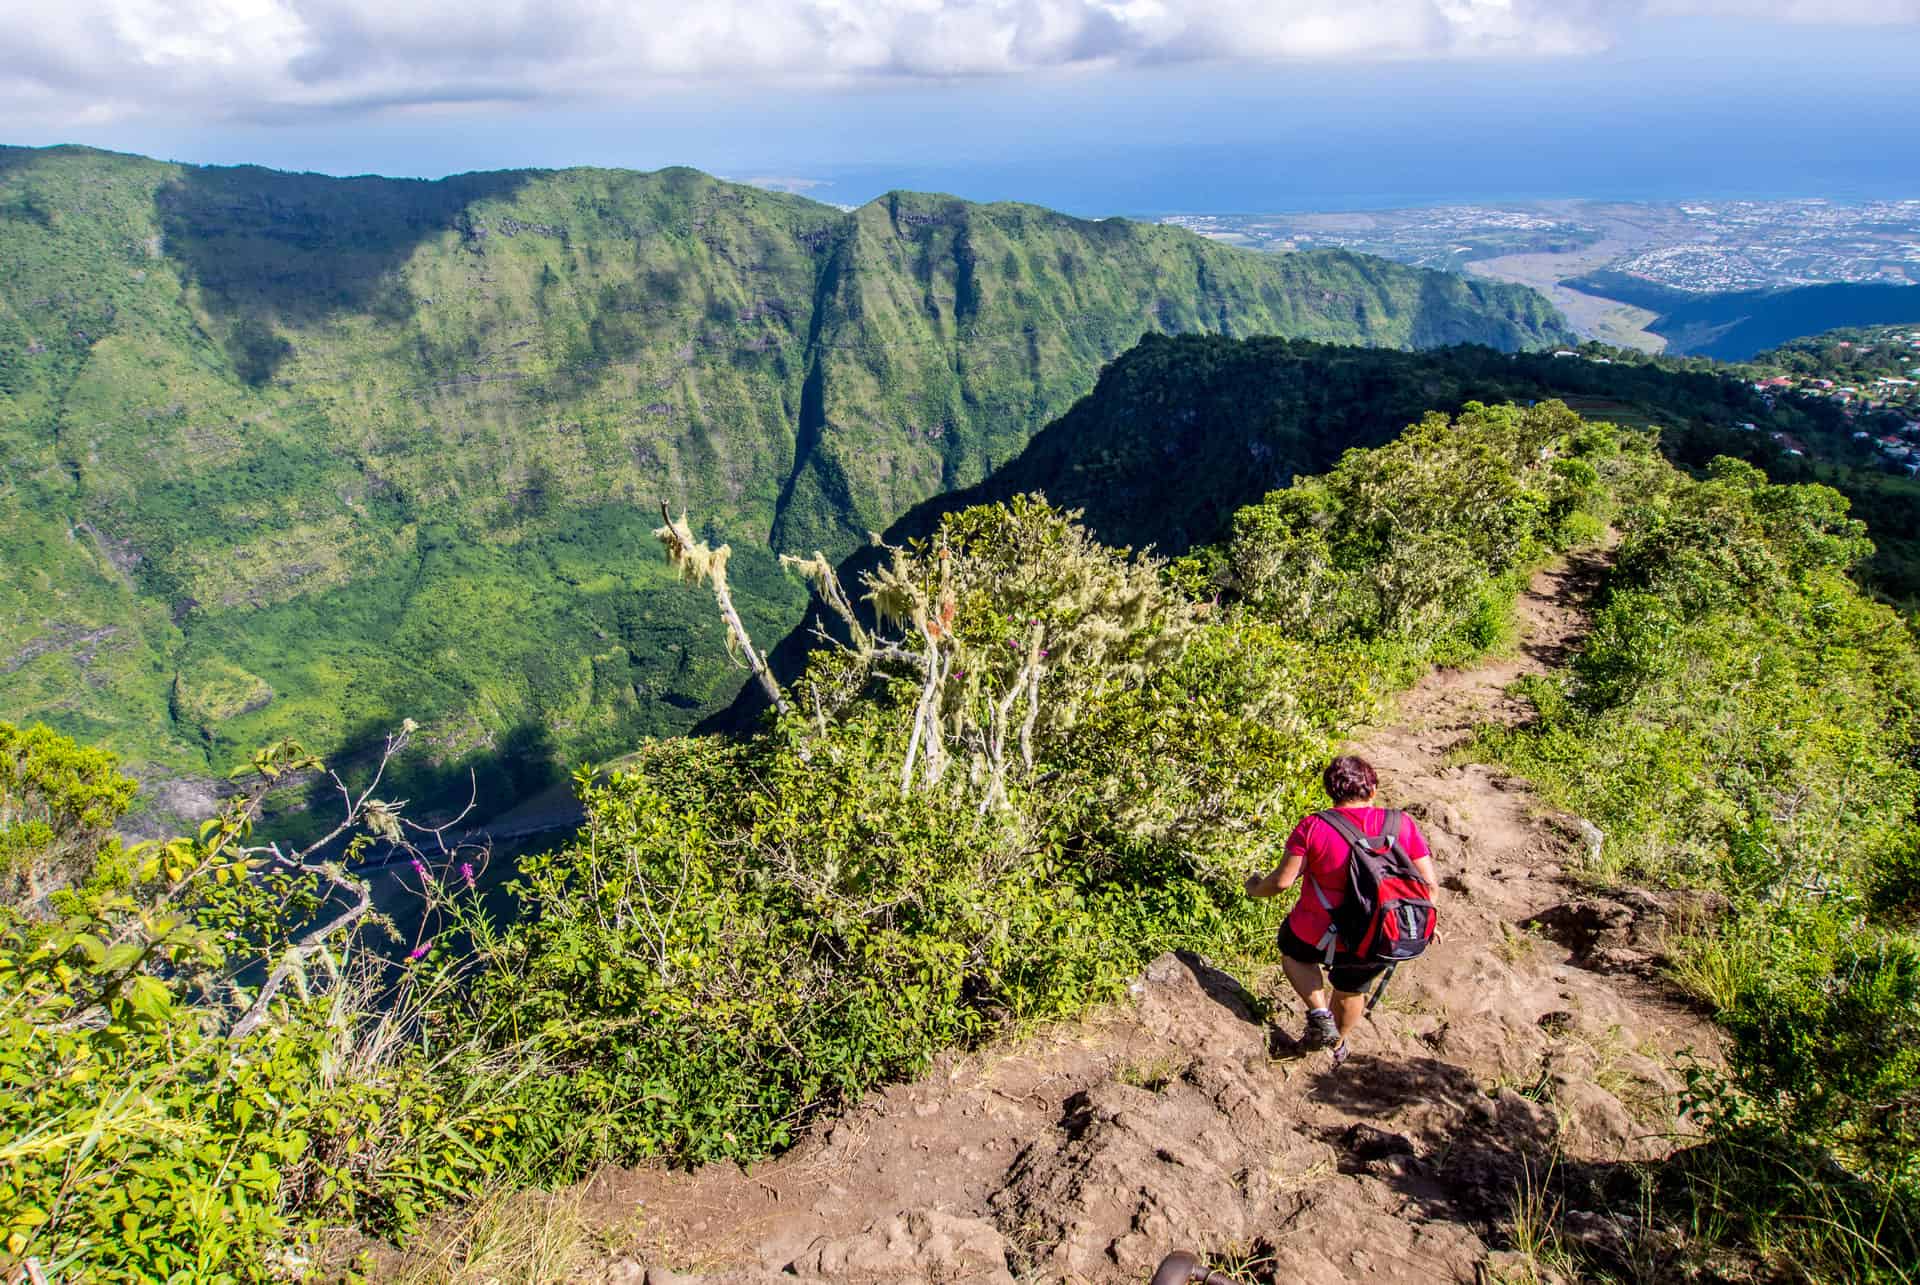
(273, 251)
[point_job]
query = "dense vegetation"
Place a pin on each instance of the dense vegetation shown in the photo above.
(287, 454)
(1181, 432)
(1850, 354)
(1706, 404)
(1047, 763)
(1742, 720)
(1889, 504)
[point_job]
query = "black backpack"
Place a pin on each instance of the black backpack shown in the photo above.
(1388, 914)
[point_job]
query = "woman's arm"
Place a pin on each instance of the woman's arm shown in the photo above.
(1280, 880)
(1423, 866)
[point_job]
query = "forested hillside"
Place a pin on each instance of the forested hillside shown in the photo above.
(286, 453)
(1181, 431)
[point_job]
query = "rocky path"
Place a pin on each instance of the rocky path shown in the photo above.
(1532, 1034)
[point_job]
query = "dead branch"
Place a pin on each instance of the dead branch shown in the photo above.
(308, 946)
(826, 582)
(697, 562)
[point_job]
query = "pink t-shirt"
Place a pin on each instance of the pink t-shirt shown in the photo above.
(1326, 863)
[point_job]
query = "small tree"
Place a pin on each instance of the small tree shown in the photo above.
(1009, 621)
(58, 803)
(1014, 621)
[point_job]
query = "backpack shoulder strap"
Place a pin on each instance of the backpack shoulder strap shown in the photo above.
(1350, 835)
(1343, 827)
(1394, 827)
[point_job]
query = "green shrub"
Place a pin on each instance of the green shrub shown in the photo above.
(1742, 717)
(166, 1115)
(1394, 541)
(1578, 529)
(1894, 894)
(58, 803)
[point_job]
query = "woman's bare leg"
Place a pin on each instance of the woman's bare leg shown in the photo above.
(1309, 983)
(1348, 1010)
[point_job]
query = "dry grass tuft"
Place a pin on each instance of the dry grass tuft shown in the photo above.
(502, 1238)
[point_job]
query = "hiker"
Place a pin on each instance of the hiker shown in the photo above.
(1316, 934)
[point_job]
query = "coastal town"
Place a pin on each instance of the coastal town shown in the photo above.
(1756, 245)
(1692, 246)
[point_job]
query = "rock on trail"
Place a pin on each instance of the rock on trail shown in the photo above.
(1532, 1033)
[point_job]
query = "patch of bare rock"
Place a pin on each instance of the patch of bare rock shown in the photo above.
(1627, 932)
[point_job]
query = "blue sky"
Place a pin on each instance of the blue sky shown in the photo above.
(1098, 106)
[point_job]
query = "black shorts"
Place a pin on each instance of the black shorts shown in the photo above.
(1347, 974)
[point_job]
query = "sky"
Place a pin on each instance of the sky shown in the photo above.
(1096, 106)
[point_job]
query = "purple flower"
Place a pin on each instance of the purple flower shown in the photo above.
(420, 951)
(1043, 651)
(466, 872)
(420, 868)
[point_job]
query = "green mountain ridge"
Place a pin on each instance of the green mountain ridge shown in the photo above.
(1181, 431)
(296, 455)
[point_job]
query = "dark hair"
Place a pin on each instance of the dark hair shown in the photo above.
(1349, 777)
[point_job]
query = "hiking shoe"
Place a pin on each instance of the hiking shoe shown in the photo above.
(1340, 1055)
(1321, 1031)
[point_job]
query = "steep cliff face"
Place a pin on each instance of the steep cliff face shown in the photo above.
(287, 454)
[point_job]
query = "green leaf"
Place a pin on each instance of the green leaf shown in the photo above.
(150, 998)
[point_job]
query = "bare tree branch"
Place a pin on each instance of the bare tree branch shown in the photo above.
(297, 955)
(697, 562)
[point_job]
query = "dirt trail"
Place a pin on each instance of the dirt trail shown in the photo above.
(1533, 1028)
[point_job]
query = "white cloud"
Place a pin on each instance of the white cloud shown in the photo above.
(1876, 13)
(95, 59)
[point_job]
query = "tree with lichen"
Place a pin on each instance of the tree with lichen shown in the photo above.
(699, 563)
(1010, 622)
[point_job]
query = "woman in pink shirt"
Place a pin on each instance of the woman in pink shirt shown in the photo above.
(1316, 850)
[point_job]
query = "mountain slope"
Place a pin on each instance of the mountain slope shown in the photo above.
(293, 455)
(1736, 325)
(1181, 431)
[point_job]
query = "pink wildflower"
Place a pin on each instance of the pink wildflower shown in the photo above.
(420, 951)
